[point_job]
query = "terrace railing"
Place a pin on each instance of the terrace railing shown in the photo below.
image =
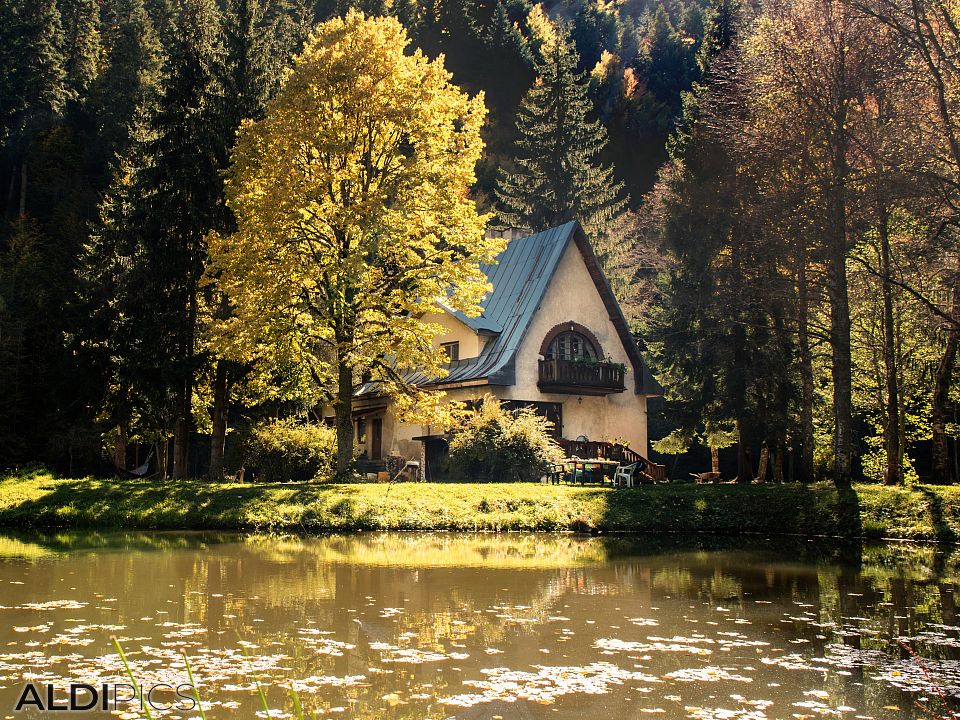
(581, 378)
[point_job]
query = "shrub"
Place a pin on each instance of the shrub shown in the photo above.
(283, 450)
(492, 445)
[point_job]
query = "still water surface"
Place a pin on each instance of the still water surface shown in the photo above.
(486, 626)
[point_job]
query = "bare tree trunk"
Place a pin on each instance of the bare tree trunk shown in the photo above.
(120, 446)
(181, 429)
(764, 462)
(163, 457)
(23, 190)
(343, 412)
(219, 420)
(778, 464)
(841, 371)
(181, 435)
(744, 466)
(836, 199)
(184, 420)
(941, 393)
(714, 460)
(806, 376)
(892, 473)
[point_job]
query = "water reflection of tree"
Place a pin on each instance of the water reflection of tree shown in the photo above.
(869, 595)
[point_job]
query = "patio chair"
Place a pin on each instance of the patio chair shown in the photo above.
(556, 474)
(624, 475)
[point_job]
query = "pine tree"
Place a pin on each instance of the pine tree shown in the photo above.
(120, 335)
(186, 202)
(165, 199)
(81, 50)
(692, 24)
(559, 173)
(508, 66)
(723, 18)
(720, 337)
(287, 24)
(669, 63)
(32, 85)
(246, 73)
(504, 39)
(126, 90)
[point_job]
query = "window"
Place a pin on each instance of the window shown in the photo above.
(452, 349)
(571, 346)
(361, 431)
(551, 411)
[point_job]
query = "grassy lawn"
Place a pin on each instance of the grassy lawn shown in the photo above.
(921, 512)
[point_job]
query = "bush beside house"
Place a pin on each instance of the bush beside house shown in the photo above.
(288, 450)
(493, 445)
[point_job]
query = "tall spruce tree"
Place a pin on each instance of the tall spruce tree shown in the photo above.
(669, 64)
(32, 86)
(286, 24)
(719, 338)
(121, 336)
(247, 78)
(186, 200)
(246, 75)
(126, 90)
(166, 198)
(81, 49)
(559, 174)
(115, 280)
(722, 22)
(33, 93)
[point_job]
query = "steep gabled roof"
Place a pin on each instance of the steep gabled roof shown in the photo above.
(520, 279)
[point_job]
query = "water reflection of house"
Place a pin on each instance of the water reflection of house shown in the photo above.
(550, 336)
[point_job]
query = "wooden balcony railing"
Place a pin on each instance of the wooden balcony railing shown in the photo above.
(581, 378)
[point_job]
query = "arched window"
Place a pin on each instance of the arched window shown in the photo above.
(571, 345)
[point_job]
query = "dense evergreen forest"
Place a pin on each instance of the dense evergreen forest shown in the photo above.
(118, 119)
(771, 188)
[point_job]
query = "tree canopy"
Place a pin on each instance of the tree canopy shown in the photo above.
(352, 214)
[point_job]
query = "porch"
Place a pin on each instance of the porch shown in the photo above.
(607, 457)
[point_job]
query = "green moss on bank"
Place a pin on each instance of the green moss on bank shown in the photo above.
(871, 511)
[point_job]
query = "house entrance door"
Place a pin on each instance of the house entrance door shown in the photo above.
(376, 439)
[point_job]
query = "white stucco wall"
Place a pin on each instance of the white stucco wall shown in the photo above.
(572, 296)
(456, 331)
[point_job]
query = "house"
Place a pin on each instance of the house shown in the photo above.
(550, 336)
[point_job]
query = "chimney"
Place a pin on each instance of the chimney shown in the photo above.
(510, 233)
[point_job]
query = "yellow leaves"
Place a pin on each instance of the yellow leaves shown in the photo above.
(541, 27)
(352, 209)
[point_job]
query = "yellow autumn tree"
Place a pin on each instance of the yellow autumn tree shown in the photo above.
(353, 218)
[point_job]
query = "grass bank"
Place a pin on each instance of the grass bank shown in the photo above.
(869, 511)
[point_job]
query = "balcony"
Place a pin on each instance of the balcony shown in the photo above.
(576, 377)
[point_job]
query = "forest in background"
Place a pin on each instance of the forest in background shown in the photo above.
(95, 283)
(770, 188)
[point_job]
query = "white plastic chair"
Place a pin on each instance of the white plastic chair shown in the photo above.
(624, 475)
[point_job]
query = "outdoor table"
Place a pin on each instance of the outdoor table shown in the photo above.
(582, 464)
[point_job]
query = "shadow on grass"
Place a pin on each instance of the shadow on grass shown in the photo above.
(158, 504)
(941, 527)
(769, 510)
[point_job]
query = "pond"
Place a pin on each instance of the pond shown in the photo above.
(486, 626)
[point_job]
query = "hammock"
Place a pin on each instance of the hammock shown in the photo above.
(141, 470)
